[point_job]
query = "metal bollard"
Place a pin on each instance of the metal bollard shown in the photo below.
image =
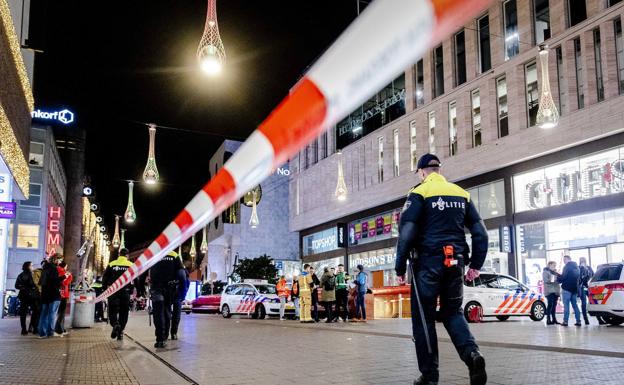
(83, 309)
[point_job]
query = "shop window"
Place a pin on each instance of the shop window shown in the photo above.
(475, 101)
(395, 145)
(562, 82)
(580, 80)
(438, 71)
(489, 199)
(485, 57)
(34, 197)
(413, 153)
(541, 21)
(452, 110)
(319, 266)
(532, 96)
(374, 228)
(420, 83)
(510, 19)
(459, 43)
(232, 214)
(598, 65)
(380, 154)
(36, 156)
(27, 236)
(619, 46)
(577, 12)
(501, 103)
(431, 125)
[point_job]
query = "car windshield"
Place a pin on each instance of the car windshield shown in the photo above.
(266, 289)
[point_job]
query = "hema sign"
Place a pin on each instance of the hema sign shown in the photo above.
(64, 116)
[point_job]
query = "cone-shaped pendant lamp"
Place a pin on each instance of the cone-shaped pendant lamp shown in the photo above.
(204, 244)
(493, 202)
(116, 240)
(123, 239)
(130, 215)
(210, 53)
(193, 252)
(254, 221)
(341, 186)
(547, 113)
(150, 174)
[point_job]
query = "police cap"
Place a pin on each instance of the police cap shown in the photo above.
(428, 160)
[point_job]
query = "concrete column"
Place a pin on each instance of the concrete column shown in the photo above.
(609, 59)
(558, 23)
(589, 67)
(569, 72)
(497, 34)
(472, 51)
(594, 7)
(410, 90)
(525, 27)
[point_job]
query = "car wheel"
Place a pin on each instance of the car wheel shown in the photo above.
(188, 312)
(614, 321)
(260, 312)
(225, 311)
(538, 311)
(502, 317)
(470, 307)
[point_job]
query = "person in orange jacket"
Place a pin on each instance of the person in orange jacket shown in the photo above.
(67, 280)
(282, 293)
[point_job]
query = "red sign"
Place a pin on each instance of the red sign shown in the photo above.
(53, 240)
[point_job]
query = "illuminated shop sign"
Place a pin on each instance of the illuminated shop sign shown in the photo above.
(7, 210)
(326, 240)
(583, 178)
(374, 228)
(374, 261)
(64, 116)
(53, 240)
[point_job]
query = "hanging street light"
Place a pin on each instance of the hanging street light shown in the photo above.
(122, 245)
(203, 248)
(150, 174)
(341, 186)
(193, 252)
(492, 202)
(210, 53)
(130, 214)
(116, 240)
(254, 221)
(547, 113)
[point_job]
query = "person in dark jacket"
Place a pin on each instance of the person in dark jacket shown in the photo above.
(569, 280)
(164, 281)
(118, 303)
(183, 286)
(316, 283)
(585, 274)
(50, 298)
(28, 296)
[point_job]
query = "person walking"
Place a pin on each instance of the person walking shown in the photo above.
(431, 233)
(176, 314)
(361, 283)
(164, 283)
(282, 293)
(315, 299)
(342, 294)
(65, 292)
(328, 296)
(569, 280)
(118, 303)
(50, 298)
(305, 294)
(552, 292)
(585, 275)
(294, 294)
(99, 306)
(28, 296)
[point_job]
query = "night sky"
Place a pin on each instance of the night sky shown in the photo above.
(116, 63)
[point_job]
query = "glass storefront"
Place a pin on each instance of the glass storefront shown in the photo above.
(599, 237)
(489, 199)
(379, 264)
(319, 266)
(495, 260)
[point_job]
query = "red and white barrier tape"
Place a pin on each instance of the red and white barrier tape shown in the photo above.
(387, 38)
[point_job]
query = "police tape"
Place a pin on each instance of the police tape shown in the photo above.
(381, 43)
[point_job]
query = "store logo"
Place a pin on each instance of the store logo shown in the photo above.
(65, 116)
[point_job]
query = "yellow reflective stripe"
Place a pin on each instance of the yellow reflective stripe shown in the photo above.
(436, 185)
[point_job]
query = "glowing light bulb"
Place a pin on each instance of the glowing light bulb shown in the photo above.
(210, 53)
(341, 187)
(130, 215)
(547, 113)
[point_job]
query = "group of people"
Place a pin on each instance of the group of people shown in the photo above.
(334, 287)
(569, 285)
(43, 293)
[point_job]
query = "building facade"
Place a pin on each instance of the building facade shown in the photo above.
(39, 226)
(473, 100)
(231, 237)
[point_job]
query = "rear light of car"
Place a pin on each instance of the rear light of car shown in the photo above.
(615, 286)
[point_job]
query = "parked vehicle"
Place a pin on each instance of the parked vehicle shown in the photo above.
(256, 298)
(606, 293)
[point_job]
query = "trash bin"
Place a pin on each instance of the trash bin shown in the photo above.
(83, 309)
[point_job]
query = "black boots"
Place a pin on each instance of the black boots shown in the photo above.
(476, 365)
(160, 344)
(116, 331)
(174, 337)
(423, 381)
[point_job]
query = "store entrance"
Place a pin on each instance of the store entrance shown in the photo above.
(595, 256)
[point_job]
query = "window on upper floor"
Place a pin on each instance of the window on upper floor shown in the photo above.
(315, 151)
(598, 65)
(580, 79)
(34, 197)
(36, 155)
(27, 236)
(541, 21)
(562, 81)
(452, 111)
(577, 12)
(459, 43)
(483, 31)
(324, 144)
(395, 145)
(532, 95)
(419, 75)
(619, 46)
(512, 38)
(380, 154)
(501, 103)
(475, 104)
(413, 149)
(431, 124)
(613, 2)
(438, 71)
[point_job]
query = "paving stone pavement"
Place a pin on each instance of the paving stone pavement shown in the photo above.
(213, 350)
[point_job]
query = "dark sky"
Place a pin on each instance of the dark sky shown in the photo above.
(118, 62)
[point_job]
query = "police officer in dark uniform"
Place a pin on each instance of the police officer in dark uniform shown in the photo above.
(432, 232)
(164, 281)
(118, 303)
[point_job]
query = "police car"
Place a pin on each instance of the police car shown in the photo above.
(606, 293)
(256, 298)
(501, 296)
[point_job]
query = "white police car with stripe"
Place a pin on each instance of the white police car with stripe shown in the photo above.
(255, 298)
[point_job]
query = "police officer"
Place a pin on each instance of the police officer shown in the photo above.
(118, 303)
(183, 286)
(164, 283)
(432, 228)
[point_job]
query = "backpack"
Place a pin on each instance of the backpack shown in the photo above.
(330, 284)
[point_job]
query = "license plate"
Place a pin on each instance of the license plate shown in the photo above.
(290, 307)
(598, 297)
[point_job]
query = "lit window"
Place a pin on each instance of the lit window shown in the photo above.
(577, 12)
(413, 155)
(476, 118)
(512, 38)
(460, 58)
(34, 198)
(395, 144)
(489, 199)
(580, 81)
(532, 96)
(541, 22)
(432, 123)
(380, 160)
(501, 97)
(438, 72)
(452, 109)
(28, 236)
(35, 158)
(485, 58)
(420, 83)
(598, 63)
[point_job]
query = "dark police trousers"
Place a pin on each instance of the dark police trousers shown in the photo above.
(118, 308)
(175, 315)
(161, 306)
(434, 279)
